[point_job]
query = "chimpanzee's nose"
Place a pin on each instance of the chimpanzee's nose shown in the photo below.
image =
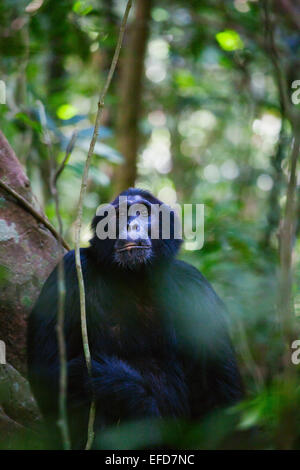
(133, 227)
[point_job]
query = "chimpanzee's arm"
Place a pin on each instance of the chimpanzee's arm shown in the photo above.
(204, 344)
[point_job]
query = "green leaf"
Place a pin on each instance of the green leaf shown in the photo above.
(102, 150)
(66, 111)
(82, 8)
(229, 40)
(29, 122)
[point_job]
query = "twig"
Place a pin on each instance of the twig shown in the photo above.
(287, 233)
(63, 377)
(33, 212)
(78, 223)
(287, 421)
(287, 229)
(63, 371)
(273, 216)
(279, 71)
(69, 150)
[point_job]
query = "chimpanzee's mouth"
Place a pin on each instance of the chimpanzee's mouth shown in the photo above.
(133, 246)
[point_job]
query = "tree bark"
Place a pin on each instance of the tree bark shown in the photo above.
(28, 253)
(130, 95)
(19, 415)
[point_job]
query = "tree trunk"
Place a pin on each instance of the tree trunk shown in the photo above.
(28, 253)
(130, 95)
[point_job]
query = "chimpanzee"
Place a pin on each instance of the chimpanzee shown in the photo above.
(157, 330)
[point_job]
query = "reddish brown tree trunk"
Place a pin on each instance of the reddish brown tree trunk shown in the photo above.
(28, 252)
(130, 95)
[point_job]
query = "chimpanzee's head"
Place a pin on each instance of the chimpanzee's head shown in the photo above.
(135, 229)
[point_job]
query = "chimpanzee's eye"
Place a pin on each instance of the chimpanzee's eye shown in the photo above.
(143, 213)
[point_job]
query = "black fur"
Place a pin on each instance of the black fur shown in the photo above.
(157, 333)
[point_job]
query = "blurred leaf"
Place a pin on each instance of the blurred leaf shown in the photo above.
(102, 150)
(29, 122)
(104, 133)
(95, 174)
(66, 111)
(82, 8)
(73, 120)
(184, 79)
(33, 6)
(229, 40)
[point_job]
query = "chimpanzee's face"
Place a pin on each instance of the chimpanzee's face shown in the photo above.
(133, 245)
(135, 229)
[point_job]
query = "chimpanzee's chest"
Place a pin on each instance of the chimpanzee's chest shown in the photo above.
(131, 323)
(139, 330)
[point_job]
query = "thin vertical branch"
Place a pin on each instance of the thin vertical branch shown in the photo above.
(288, 225)
(278, 68)
(69, 150)
(63, 372)
(287, 234)
(63, 376)
(287, 425)
(276, 160)
(78, 222)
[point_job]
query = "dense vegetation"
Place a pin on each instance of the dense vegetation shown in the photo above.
(199, 111)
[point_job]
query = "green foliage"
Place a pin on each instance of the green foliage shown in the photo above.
(210, 130)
